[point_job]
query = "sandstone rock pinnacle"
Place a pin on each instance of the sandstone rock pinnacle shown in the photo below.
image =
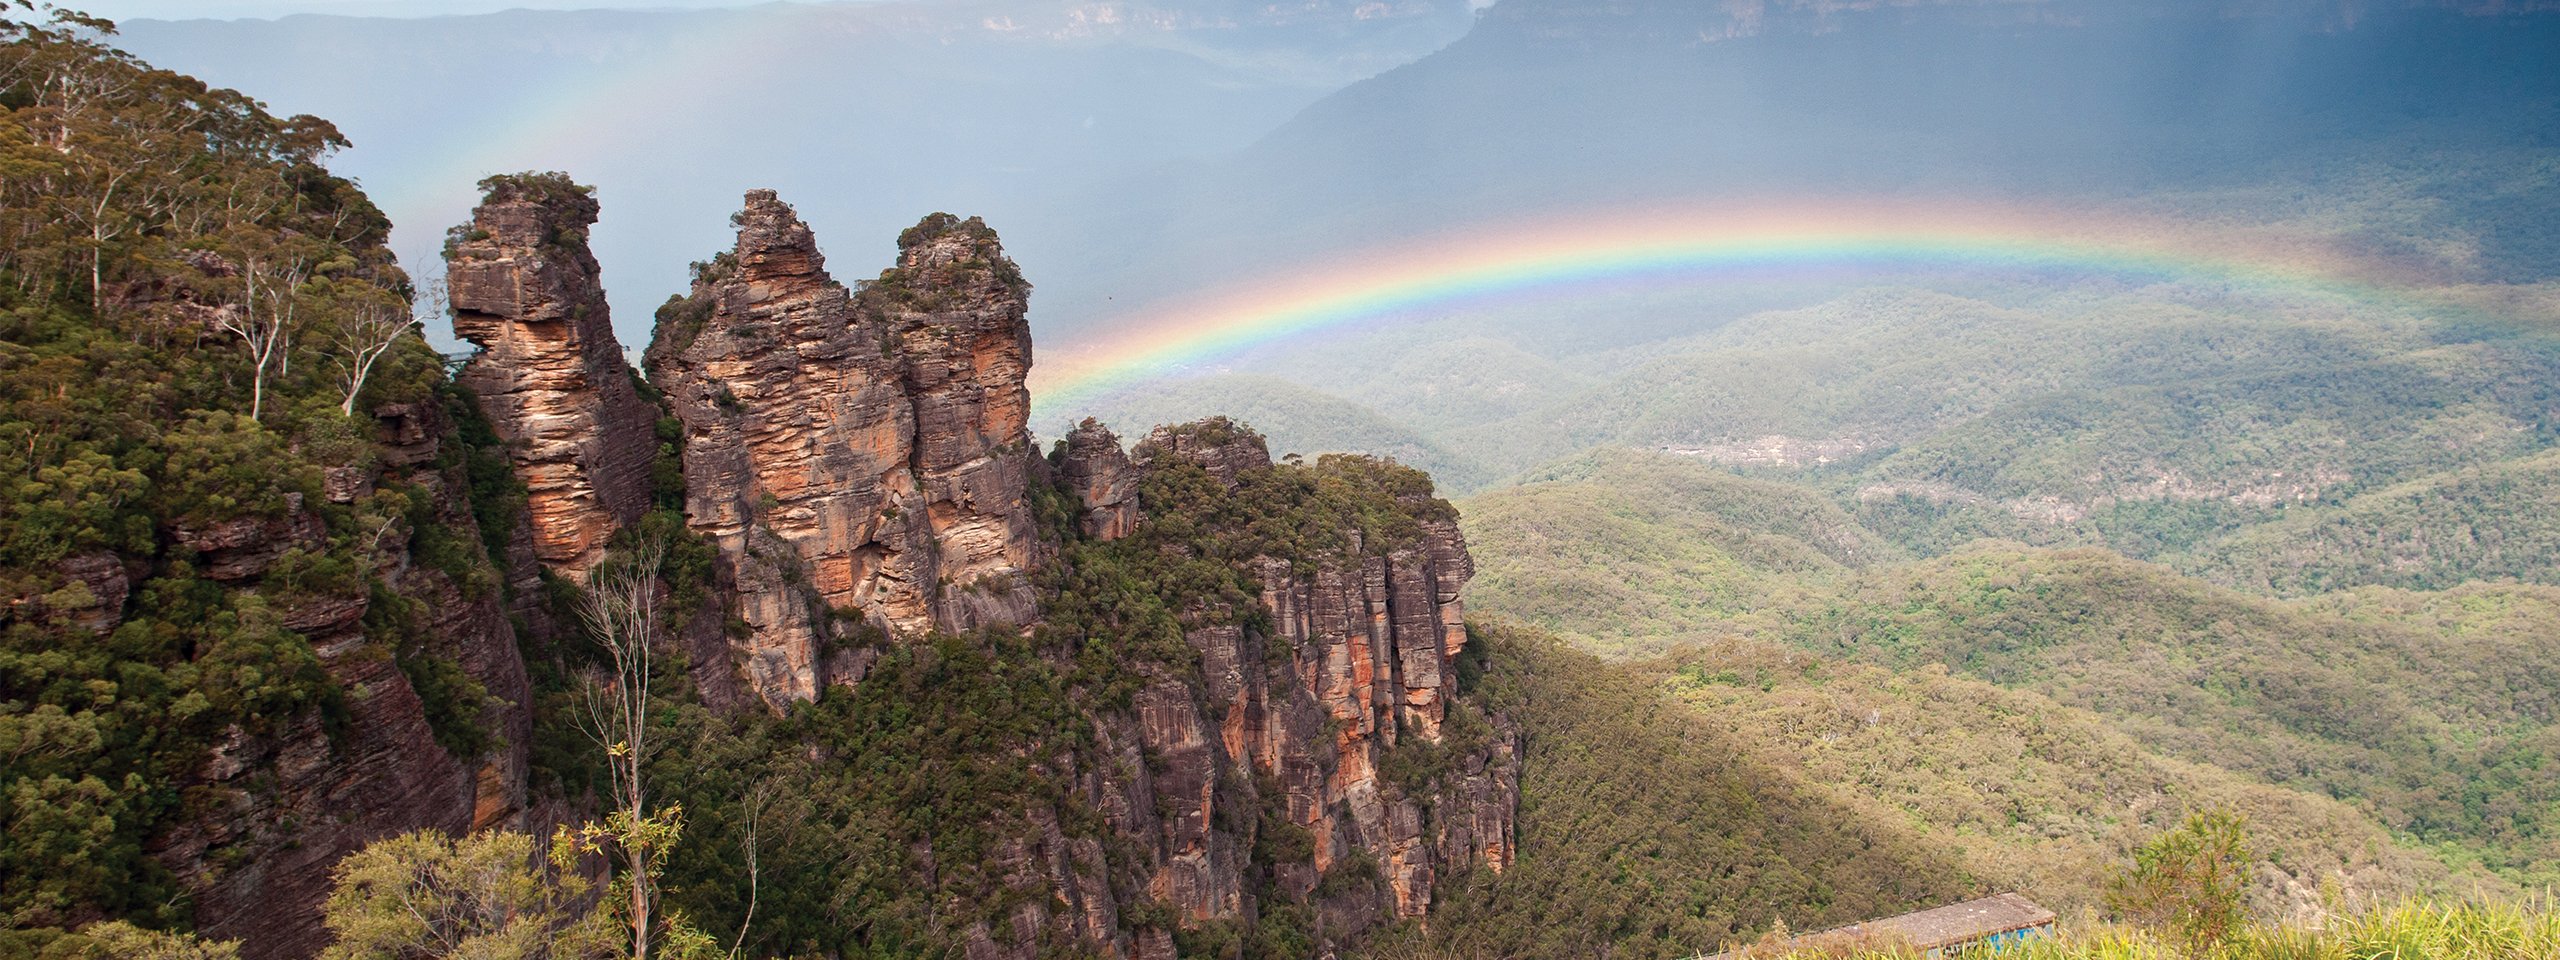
(859, 458)
(550, 376)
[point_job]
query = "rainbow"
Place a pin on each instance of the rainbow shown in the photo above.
(1681, 247)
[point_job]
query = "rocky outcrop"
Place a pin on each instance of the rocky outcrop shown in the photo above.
(861, 460)
(1318, 752)
(276, 808)
(550, 376)
(1221, 446)
(241, 548)
(960, 312)
(858, 458)
(1098, 473)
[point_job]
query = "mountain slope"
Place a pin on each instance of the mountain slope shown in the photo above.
(1626, 552)
(2489, 522)
(2426, 711)
(1675, 805)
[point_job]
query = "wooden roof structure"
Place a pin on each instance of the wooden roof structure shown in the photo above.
(1941, 927)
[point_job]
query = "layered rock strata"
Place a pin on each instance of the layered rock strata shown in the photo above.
(859, 458)
(280, 806)
(1261, 773)
(550, 375)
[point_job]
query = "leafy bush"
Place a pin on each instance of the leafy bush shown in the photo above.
(2189, 884)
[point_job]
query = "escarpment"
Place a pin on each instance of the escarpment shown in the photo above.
(1264, 663)
(550, 375)
(1328, 708)
(435, 722)
(861, 459)
(279, 586)
(1253, 668)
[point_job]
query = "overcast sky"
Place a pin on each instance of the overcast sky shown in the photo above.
(176, 9)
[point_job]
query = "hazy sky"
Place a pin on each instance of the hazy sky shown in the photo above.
(185, 9)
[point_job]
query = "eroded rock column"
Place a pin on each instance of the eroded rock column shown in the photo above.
(550, 376)
(861, 458)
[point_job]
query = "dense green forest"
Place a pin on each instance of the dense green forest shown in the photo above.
(2427, 713)
(196, 323)
(1680, 803)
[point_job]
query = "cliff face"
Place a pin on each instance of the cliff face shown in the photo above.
(280, 806)
(1257, 666)
(858, 459)
(550, 375)
(1370, 635)
(1305, 760)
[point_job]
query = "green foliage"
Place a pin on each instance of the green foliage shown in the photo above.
(118, 940)
(150, 452)
(881, 810)
(2428, 712)
(1308, 514)
(1631, 553)
(2432, 929)
(2434, 731)
(426, 896)
(1648, 829)
(2493, 522)
(2190, 883)
(498, 496)
(885, 816)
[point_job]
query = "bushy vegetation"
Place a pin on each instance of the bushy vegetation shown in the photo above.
(2435, 930)
(2427, 712)
(196, 323)
(1652, 829)
(2493, 522)
(1631, 552)
(2439, 734)
(2035, 794)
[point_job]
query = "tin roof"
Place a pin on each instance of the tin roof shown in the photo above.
(1958, 923)
(1943, 926)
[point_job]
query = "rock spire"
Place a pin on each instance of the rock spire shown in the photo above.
(861, 458)
(550, 376)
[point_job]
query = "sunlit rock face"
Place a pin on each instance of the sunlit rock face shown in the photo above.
(860, 458)
(550, 376)
(1369, 640)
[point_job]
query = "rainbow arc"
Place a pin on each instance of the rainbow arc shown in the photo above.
(1685, 248)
